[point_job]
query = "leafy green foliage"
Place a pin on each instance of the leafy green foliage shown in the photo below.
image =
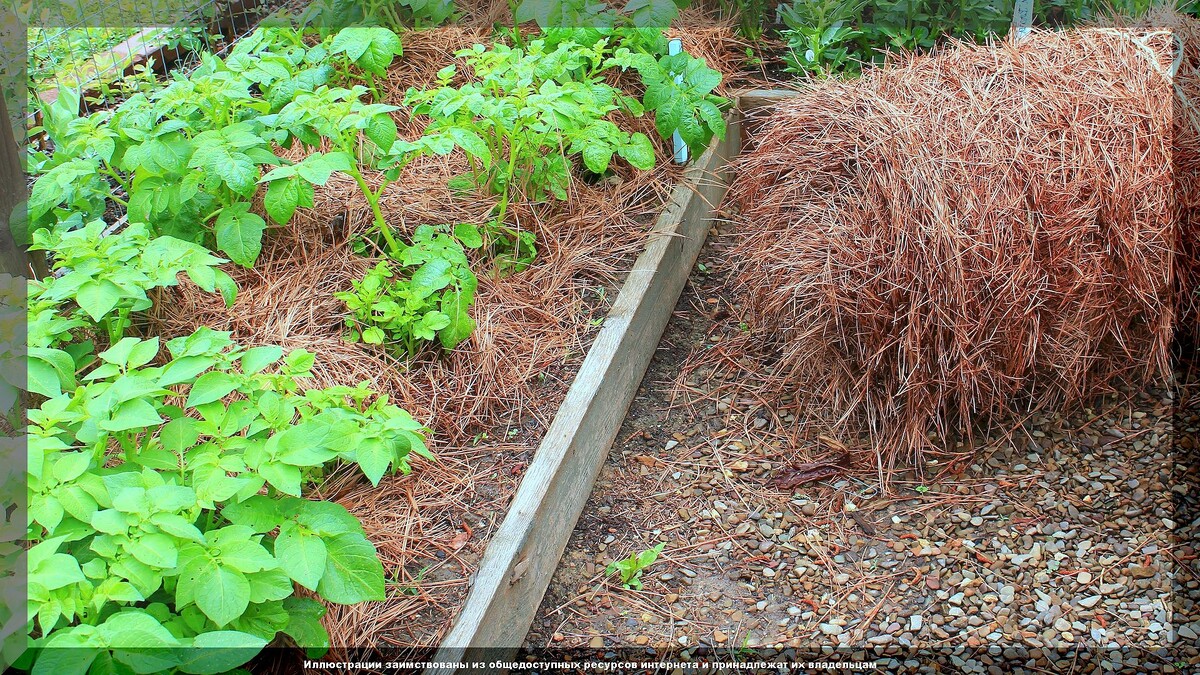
(155, 517)
(105, 279)
(583, 22)
(631, 568)
(526, 114)
(291, 186)
(370, 48)
(839, 36)
(179, 167)
(678, 87)
(354, 129)
(74, 186)
(679, 91)
(429, 298)
(190, 157)
(827, 37)
(166, 518)
(428, 12)
(818, 37)
(637, 26)
(88, 57)
(57, 54)
(393, 14)
(919, 24)
(513, 250)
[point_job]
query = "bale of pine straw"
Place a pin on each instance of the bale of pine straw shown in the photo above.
(960, 240)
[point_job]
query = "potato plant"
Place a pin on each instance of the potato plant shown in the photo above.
(428, 298)
(362, 136)
(526, 115)
(189, 158)
(394, 14)
(370, 48)
(638, 25)
(633, 38)
(166, 516)
(105, 280)
(153, 518)
(165, 489)
(679, 91)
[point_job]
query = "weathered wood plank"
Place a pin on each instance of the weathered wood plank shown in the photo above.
(523, 554)
(754, 100)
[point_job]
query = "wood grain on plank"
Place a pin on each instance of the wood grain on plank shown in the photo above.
(752, 100)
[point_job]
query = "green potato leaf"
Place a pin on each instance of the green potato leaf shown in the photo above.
(301, 554)
(224, 593)
(239, 233)
(353, 572)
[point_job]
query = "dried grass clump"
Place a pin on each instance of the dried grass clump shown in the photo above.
(959, 240)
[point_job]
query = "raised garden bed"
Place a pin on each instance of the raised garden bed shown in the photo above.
(524, 552)
(572, 279)
(542, 283)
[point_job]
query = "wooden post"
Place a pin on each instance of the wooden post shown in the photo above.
(754, 102)
(14, 587)
(13, 193)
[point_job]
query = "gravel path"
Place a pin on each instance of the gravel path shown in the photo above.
(1077, 531)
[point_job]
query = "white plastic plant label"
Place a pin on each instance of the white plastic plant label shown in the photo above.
(1022, 17)
(681, 149)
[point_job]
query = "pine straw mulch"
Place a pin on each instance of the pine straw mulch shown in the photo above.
(930, 255)
(1186, 158)
(488, 401)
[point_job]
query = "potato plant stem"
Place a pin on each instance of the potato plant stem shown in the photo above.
(512, 166)
(373, 199)
(516, 29)
(108, 170)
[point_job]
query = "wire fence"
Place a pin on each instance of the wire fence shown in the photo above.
(109, 49)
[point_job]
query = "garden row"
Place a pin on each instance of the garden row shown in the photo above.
(169, 526)
(818, 37)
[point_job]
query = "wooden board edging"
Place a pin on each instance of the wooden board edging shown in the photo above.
(753, 100)
(139, 48)
(524, 552)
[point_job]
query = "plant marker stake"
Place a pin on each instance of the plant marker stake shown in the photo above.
(1022, 18)
(675, 46)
